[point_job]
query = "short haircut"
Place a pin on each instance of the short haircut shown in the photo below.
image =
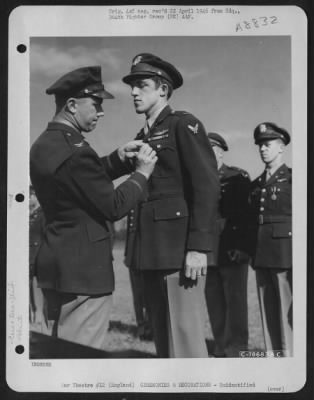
(60, 102)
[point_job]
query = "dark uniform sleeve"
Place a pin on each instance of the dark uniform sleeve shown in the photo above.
(116, 168)
(85, 177)
(201, 183)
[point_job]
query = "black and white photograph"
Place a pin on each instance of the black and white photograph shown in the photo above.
(160, 227)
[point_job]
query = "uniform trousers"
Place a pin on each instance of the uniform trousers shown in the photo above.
(176, 307)
(226, 299)
(81, 319)
(139, 303)
(274, 287)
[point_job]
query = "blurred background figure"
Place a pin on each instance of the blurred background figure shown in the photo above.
(226, 284)
(36, 222)
(271, 213)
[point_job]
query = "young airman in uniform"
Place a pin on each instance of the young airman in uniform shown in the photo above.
(270, 203)
(172, 233)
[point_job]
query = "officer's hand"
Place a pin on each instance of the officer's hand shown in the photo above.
(238, 256)
(146, 160)
(130, 149)
(195, 264)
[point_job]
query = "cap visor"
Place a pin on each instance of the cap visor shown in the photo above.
(136, 75)
(105, 95)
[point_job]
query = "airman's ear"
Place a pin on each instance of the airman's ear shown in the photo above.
(71, 105)
(281, 146)
(164, 90)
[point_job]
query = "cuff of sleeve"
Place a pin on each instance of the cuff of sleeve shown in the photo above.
(139, 180)
(201, 241)
(114, 160)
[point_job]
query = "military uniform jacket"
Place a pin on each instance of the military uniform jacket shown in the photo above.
(74, 187)
(181, 207)
(270, 204)
(233, 210)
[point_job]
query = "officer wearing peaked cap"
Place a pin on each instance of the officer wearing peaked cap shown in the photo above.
(148, 65)
(270, 203)
(82, 82)
(226, 284)
(75, 190)
(172, 239)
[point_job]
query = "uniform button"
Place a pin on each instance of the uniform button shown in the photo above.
(263, 190)
(178, 213)
(158, 146)
(261, 209)
(69, 134)
(131, 217)
(35, 243)
(262, 199)
(278, 189)
(131, 225)
(290, 233)
(132, 211)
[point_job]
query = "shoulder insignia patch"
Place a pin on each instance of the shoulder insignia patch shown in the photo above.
(194, 129)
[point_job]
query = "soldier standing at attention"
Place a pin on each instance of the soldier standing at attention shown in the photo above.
(226, 284)
(75, 190)
(270, 200)
(172, 233)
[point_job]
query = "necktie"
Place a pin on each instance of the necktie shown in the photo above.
(268, 174)
(146, 127)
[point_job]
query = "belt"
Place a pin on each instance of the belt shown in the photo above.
(269, 219)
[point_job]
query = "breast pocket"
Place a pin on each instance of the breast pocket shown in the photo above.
(167, 158)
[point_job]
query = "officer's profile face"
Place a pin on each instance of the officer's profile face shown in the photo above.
(147, 95)
(86, 111)
(271, 150)
(219, 152)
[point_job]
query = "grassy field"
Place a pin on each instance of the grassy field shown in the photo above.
(122, 333)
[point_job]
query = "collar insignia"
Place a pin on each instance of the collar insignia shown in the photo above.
(194, 129)
(81, 144)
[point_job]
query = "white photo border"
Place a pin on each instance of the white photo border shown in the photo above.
(288, 374)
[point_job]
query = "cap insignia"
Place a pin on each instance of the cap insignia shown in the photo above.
(262, 128)
(137, 60)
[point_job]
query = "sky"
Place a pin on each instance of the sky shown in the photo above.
(230, 83)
